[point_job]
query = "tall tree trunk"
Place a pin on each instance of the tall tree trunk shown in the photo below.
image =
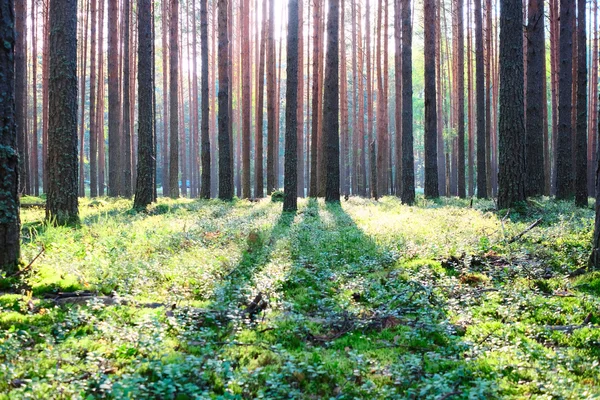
(534, 139)
(511, 182)
(114, 102)
(260, 80)
(20, 10)
(145, 170)
(165, 87)
(331, 104)
(345, 125)
(300, 105)
(470, 112)
(35, 172)
(45, 77)
(225, 156)
(431, 172)
(316, 95)
(361, 149)
(126, 146)
(592, 128)
(100, 103)
(246, 98)
(290, 202)
(564, 156)
(480, 99)
(370, 147)
(61, 203)
(271, 99)
(408, 160)
(174, 100)
(83, 63)
(93, 136)
(10, 224)
(460, 84)
(581, 192)
(488, 57)
(398, 89)
(206, 153)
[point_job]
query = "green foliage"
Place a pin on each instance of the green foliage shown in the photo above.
(277, 196)
(360, 300)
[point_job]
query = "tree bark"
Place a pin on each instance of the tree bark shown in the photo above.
(408, 160)
(35, 172)
(206, 153)
(225, 156)
(10, 224)
(460, 84)
(145, 168)
(290, 201)
(114, 103)
(581, 192)
(331, 104)
(20, 10)
(174, 100)
(564, 156)
(61, 203)
(480, 100)
(511, 182)
(126, 148)
(431, 171)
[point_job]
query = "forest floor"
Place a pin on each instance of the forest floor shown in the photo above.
(204, 299)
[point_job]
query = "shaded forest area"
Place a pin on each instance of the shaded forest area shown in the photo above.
(299, 199)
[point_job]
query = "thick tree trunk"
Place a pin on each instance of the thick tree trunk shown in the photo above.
(290, 186)
(225, 156)
(331, 104)
(581, 192)
(431, 171)
(145, 168)
(10, 224)
(316, 95)
(408, 160)
(61, 203)
(534, 140)
(511, 182)
(480, 100)
(300, 105)
(564, 156)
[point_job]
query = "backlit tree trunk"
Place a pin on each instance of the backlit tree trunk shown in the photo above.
(291, 114)
(581, 193)
(331, 104)
(206, 153)
(408, 160)
(225, 156)
(480, 100)
(431, 171)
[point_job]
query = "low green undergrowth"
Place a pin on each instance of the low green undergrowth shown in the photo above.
(205, 299)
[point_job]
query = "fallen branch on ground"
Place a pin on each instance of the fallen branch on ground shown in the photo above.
(515, 238)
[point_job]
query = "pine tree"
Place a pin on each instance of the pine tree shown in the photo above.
(10, 224)
(564, 155)
(225, 156)
(511, 125)
(480, 109)
(114, 102)
(408, 160)
(536, 63)
(460, 96)
(431, 171)
(290, 186)
(174, 99)
(581, 193)
(61, 203)
(144, 192)
(331, 104)
(205, 133)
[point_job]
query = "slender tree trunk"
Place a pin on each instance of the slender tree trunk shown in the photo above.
(35, 172)
(10, 224)
(398, 88)
(361, 149)
(165, 87)
(271, 99)
(145, 170)
(592, 128)
(488, 57)
(480, 99)
(61, 203)
(20, 11)
(581, 192)
(370, 147)
(470, 112)
(100, 110)
(300, 105)
(511, 182)
(408, 160)
(564, 160)
(206, 153)
(460, 84)
(93, 138)
(316, 95)
(431, 172)
(174, 99)
(83, 63)
(126, 146)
